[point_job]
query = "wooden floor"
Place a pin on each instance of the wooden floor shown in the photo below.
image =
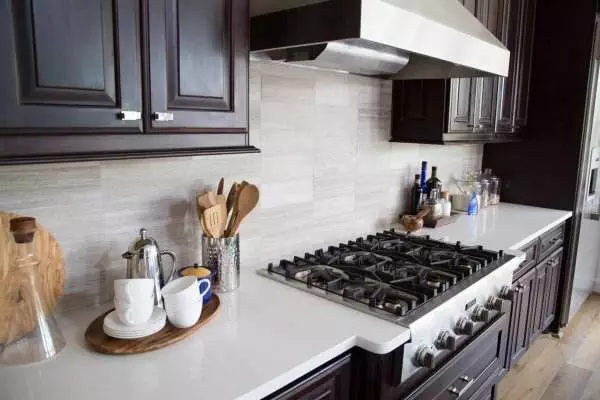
(560, 369)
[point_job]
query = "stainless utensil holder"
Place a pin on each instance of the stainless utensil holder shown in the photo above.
(222, 256)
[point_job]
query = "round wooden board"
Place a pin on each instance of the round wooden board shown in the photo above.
(102, 343)
(15, 306)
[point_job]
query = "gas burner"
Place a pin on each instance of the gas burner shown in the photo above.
(380, 297)
(326, 278)
(389, 271)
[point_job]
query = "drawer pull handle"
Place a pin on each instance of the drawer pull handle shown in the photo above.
(459, 393)
(521, 286)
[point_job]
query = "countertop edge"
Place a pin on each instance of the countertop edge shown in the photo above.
(541, 231)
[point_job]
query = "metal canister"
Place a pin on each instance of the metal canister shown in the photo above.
(222, 256)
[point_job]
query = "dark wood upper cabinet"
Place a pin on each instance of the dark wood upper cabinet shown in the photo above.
(473, 109)
(198, 64)
(517, 35)
(102, 79)
(69, 65)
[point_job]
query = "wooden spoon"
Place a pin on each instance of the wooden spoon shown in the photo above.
(246, 202)
(214, 220)
(220, 187)
(231, 197)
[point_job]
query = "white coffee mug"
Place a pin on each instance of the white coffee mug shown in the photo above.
(183, 301)
(134, 313)
(133, 290)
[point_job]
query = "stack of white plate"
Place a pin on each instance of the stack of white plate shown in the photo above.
(115, 328)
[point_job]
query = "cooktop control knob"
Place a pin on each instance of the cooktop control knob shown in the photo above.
(494, 303)
(446, 341)
(480, 314)
(425, 357)
(507, 293)
(464, 326)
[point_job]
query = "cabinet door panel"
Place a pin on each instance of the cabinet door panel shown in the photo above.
(198, 64)
(540, 299)
(525, 309)
(76, 65)
(525, 57)
(553, 269)
(490, 13)
(462, 93)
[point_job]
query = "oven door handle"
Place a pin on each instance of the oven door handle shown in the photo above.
(459, 393)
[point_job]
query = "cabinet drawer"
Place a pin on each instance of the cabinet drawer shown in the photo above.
(531, 252)
(551, 241)
(472, 367)
(331, 382)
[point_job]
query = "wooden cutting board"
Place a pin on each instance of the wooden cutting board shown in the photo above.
(102, 343)
(14, 304)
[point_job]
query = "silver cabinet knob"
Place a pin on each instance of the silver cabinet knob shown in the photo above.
(162, 116)
(125, 115)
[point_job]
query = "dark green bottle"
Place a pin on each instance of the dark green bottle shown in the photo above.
(433, 183)
(416, 195)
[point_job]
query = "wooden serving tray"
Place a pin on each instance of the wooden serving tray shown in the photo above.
(102, 343)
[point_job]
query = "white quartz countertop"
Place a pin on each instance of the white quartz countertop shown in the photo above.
(265, 335)
(502, 227)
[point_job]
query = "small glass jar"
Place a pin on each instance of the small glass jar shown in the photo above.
(485, 193)
(434, 205)
(494, 190)
(446, 205)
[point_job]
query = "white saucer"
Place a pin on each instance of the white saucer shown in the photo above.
(115, 328)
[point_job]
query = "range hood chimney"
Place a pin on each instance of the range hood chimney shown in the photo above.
(396, 39)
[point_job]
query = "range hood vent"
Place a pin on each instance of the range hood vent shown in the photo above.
(396, 39)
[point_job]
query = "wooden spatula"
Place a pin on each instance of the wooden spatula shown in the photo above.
(206, 200)
(214, 220)
(221, 185)
(246, 202)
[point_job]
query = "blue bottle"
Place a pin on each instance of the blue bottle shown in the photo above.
(473, 208)
(423, 176)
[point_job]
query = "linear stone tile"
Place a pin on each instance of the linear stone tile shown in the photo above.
(327, 173)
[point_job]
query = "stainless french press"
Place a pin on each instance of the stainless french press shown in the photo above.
(144, 261)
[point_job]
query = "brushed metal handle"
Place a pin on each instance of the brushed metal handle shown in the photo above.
(459, 393)
(162, 116)
(126, 115)
(521, 286)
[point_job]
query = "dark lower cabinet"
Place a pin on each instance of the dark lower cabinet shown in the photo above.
(331, 382)
(487, 391)
(520, 317)
(534, 293)
(101, 79)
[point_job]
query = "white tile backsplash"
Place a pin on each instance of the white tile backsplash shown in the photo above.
(327, 173)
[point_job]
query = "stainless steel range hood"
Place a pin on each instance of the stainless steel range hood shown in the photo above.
(397, 39)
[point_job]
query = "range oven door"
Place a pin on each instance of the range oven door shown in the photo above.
(477, 364)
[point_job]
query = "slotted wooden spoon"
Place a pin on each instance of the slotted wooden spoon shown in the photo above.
(214, 220)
